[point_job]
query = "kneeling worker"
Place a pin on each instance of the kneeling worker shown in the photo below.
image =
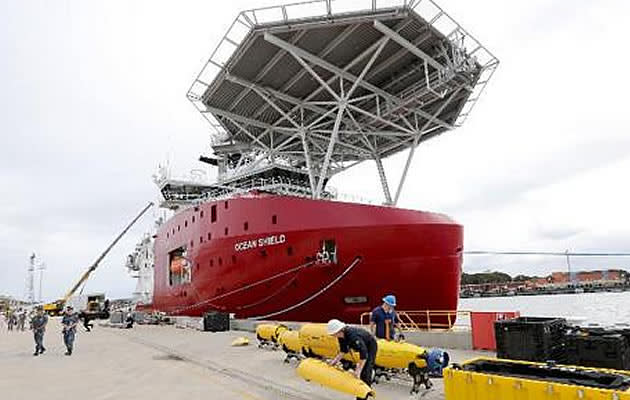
(356, 339)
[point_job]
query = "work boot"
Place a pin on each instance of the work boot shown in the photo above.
(36, 353)
(42, 351)
(68, 353)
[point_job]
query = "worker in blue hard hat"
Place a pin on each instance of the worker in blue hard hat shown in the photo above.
(383, 321)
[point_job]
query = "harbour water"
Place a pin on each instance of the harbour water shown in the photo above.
(605, 308)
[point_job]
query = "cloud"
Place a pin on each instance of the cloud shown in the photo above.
(93, 100)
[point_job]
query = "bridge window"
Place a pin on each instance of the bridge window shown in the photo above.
(290, 250)
(200, 239)
(178, 228)
(274, 219)
(220, 261)
(246, 226)
(193, 218)
(209, 235)
(201, 214)
(226, 231)
(226, 205)
(186, 224)
(233, 259)
(213, 213)
(211, 263)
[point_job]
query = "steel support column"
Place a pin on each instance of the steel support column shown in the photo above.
(329, 151)
(412, 149)
(381, 174)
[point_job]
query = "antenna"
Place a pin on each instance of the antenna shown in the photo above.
(41, 267)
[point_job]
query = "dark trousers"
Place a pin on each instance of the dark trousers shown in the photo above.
(87, 325)
(368, 368)
(39, 341)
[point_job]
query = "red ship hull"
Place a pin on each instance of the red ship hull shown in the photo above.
(259, 259)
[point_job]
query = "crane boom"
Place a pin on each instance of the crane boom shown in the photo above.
(92, 267)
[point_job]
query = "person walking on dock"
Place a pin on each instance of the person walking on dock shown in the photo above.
(86, 321)
(12, 320)
(383, 319)
(69, 321)
(21, 320)
(356, 339)
(38, 323)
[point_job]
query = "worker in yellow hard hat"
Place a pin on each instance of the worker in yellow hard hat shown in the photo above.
(356, 339)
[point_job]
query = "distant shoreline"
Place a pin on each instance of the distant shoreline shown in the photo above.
(548, 291)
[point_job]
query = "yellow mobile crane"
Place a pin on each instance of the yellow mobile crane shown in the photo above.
(56, 307)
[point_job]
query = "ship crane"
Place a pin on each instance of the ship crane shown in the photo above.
(56, 307)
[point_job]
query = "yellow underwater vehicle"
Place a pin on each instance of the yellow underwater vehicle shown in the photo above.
(391, 357)
(268, 334)
(342, 381)
(290, 343)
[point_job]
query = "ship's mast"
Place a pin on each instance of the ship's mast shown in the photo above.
(30, 279)
(316, 90)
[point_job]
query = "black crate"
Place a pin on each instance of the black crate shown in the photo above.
(215, 321)
(531, 339)
(598, 350)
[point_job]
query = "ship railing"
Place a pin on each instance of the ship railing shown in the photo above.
(286, 186)
(428, 320)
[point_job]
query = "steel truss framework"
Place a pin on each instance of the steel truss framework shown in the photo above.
(329, 90)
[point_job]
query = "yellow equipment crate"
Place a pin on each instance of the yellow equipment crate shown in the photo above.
(480, 379)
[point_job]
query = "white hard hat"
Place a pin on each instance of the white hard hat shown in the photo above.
(334, 326)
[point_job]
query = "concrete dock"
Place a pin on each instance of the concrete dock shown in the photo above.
(159, 362)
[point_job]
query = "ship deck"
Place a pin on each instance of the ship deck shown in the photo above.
(155, 362)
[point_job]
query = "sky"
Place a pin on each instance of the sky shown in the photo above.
(93, 99)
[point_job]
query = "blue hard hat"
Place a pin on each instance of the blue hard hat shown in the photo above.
(390, 299)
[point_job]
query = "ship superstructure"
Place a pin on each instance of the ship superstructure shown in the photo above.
(294, 95)
(140, 265)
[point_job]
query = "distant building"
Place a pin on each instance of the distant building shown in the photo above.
(613, 275)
